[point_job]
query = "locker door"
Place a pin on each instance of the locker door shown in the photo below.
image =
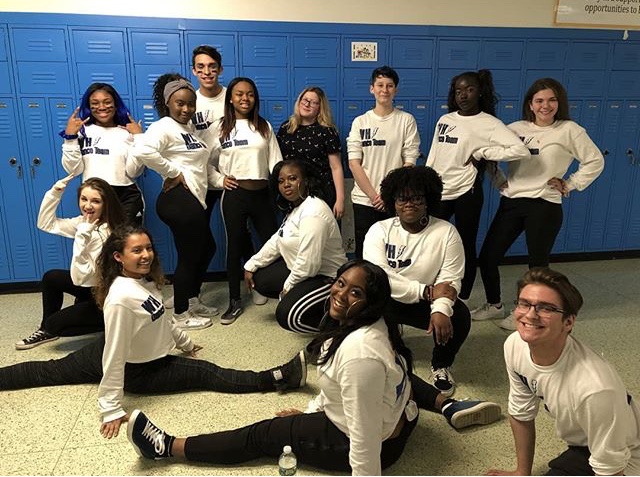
(315, 51)
(501, 54)
(350, 111)
(460, 55)
(41, 172)
(543, 54)
(631, 239)
(156, 48)
(367, 53)
(325, 78)
(262, 50)
(17, 223)
(412, 53)
(276, 111)
(626, 56)
(586, 83)
(271, 81)
(414, 82)
(356, 82)
(588, 55)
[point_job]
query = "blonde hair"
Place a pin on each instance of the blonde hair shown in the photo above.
(324, 117)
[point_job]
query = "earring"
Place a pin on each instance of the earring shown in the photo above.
(424, 220)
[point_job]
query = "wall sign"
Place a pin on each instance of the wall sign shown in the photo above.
(603, 13)
(364, 51)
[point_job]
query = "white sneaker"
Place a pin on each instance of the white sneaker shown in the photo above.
(200, 309)
(258, 298)
(188, 321)
(509, 323)
(487, 312)
(168, 302)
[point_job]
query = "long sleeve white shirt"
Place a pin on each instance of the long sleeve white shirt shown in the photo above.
(170, 148)
(137, 330)
(243, 155)
(99, 152)
(585, 396)
(308, 240)
(364, 391)
(414, 261)
(457, 138)
(553, 149)
(87, 238)
(382, 143)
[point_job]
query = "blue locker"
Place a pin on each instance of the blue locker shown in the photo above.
(151, 48)
(264, 50)
(458, 54)
(113, 74)
(443, 80)
(401, 104)
(585, 84)
(38, 44)
(5, 78)
(325, 78)
(631, 238)
(421, 110)
(43, 77)
(542, 54)
(350, 111)
(533, 75)
(507, 83)
(626, 56)
(225, 44)
(3, 47)
(146, 75)
(411, 53)
(271, 81)
(18, 223)
(624, 84)
(414, 82)
(276, 111)
(505, 54)
(509, 111)
(98, 46)
(316, 51)
(588, 55)
(364, 52)
(356, 83)
(439, 110)
(41, 172)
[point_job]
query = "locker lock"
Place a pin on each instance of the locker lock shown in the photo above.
(632, 158)
(605, 152)
(35, 162)
(13, 162)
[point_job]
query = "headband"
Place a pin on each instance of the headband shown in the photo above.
(173, 86)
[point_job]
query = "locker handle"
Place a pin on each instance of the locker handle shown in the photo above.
(35, 162)
(605, 152)
(632, 158)
(13, 162)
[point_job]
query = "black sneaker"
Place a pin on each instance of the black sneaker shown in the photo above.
(37, 338)
(443, 381)
(461, 414)
(292, 375)
(148, 440)
(233, 312)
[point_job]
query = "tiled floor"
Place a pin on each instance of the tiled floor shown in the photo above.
(49, 431)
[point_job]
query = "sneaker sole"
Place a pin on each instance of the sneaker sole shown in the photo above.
(447, 393)
(208, 314)
(303, 359)
(480, 414)
(194, 327)
(231, 320)
(33, 345)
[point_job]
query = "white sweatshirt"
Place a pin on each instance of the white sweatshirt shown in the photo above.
(87, 238)
(414, 261)
(137, 330)
(99, 152)
(208, 110)
(170, 148)
(308, 240)
(585, 396)
(364, 389)
(553, 149)
(245, 155)
(457, 138)
(382, 144)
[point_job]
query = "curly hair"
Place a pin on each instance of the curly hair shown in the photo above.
(109, 269)
(417, 180)
(121, 117)
(229, 119)
(377, 293)
(558, 90)
(112, 212)
(324, 117)
(571, 298)
(158, 92)
(312, 185)
(487, 100)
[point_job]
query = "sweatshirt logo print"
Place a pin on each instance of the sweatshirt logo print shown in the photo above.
(444, 131)
(191, 142)
(200, 120)
(87, 147)
(154, 307)
(534, 151)
(394, 252)
(367, 135)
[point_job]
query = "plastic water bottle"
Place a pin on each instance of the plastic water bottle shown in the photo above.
(287, 463)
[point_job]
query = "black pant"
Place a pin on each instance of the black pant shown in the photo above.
(189, 224)
(363, 218)
(302, 308)
(573, 461)
(541, 221)
(238, 206)
(418, 315)
(466, 209)
(132, 202)
(164, 375)
(81, 318)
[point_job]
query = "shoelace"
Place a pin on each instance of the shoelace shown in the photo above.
(441, 374)
(155, 436)
(35, 336)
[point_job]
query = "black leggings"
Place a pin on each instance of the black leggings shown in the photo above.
(539, 219)
(238, 205)
(132, 202)
(81, 318)
(363, 218)
(302, 308)
(573, 461)
(189, 224)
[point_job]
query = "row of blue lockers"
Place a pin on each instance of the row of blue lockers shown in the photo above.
(44, 69)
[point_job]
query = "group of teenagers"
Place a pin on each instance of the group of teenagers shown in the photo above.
(412, 267)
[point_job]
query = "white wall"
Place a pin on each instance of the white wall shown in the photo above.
(512, 13)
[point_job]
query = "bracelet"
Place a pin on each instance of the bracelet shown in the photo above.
(64, 135)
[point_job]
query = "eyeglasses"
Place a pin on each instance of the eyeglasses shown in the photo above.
(542, 309)
(308, 102)
(414, 199)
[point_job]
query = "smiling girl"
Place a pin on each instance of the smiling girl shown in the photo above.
(101, 212)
